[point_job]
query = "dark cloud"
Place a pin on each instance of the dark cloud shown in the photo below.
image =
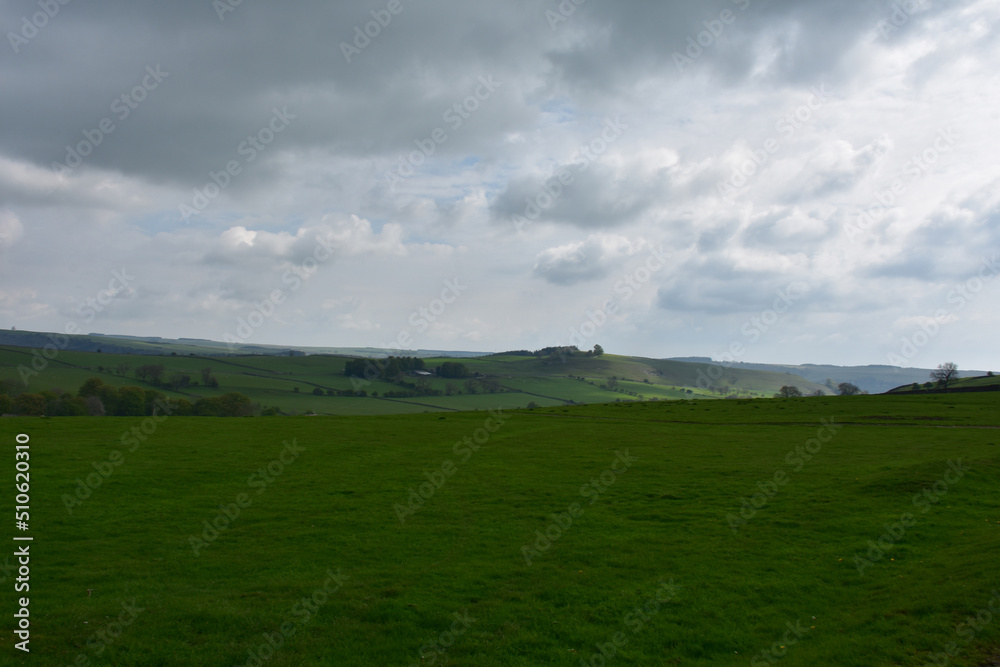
(215, 153)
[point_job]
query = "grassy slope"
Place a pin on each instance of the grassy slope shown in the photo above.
(663, 519)
(873, 378)
(977, 381)
(271, 380)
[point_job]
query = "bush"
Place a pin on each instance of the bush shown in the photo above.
(232, 404)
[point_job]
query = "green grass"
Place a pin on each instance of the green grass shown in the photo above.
(663, 519)
(977, 381)
(272, 380)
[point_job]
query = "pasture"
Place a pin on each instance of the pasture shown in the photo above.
(817, 531)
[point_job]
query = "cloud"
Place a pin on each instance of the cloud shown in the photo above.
(595, 257)
(401, 167)
(11, 230)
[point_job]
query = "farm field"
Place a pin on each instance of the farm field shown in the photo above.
(859, 531)
(297, 385)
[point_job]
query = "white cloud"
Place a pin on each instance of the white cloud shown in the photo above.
(587, 260)
(321, 182)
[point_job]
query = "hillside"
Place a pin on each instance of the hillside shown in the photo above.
(965, 384)
(120, 344)
(874, 379)
(299, 384)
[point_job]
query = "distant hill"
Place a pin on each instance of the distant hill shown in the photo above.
(123, 344)
(962, 385)
(875, 379)
(300, 381)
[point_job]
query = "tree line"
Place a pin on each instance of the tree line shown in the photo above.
(392, 369)
(96, 399)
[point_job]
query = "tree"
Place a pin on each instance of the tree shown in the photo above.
(180, 381)
(453, 369)
(490, 385)
(232, 404)
(945, 373)
(598, 350)
(66, 405)
(151, 372)
(848, 389)
(91, 387)
(180, 407)
(317, 391)
(208, 378)
(788, 392)
(95, 406)
(154, 400)
(30, 405)
(109, 398)
(131, 402)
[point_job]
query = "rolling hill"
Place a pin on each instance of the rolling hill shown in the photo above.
(295, 383)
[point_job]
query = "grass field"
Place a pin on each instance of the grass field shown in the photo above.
(960, 383)
(288, 382)
(569, 531)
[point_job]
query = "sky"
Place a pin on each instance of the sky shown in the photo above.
(762, 181)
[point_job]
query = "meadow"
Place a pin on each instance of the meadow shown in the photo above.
(815, 531)
(298, 385)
